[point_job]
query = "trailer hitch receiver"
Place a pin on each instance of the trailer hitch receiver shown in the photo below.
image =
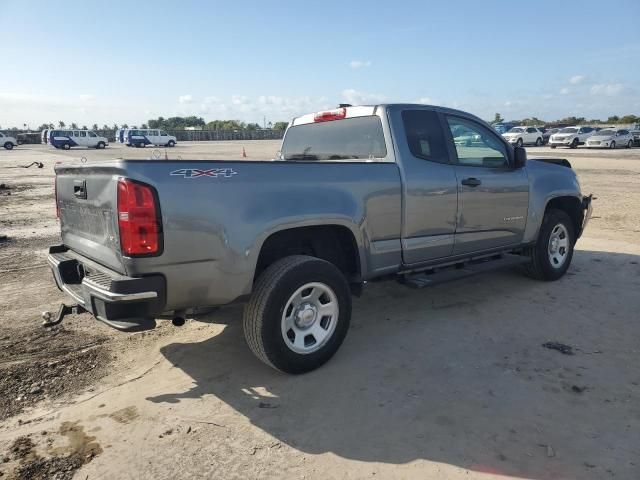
(49, 321)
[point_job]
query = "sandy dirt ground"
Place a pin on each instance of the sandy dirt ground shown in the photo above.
(449, 382)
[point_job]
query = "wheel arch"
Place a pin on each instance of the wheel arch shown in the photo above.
(334, 242)
(572, 206)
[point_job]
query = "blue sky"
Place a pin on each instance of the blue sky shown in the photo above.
(106, 62)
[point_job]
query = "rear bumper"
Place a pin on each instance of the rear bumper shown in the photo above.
(122, 302)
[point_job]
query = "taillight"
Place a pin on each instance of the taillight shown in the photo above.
(337, 114)
(138, 219)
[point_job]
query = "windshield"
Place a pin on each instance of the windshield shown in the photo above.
(516, 130)
(351, 138)
(606, 133)
(569, 130)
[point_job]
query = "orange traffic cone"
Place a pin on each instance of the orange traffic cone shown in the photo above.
(244, 153)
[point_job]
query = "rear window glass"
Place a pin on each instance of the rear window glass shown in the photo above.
(358, 138)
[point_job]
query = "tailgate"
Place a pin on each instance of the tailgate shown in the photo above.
(86, 196)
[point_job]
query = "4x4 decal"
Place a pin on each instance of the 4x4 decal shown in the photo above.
(204, 172)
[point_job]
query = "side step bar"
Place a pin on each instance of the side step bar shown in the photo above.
(461, 270)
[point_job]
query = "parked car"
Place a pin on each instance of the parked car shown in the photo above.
(547, 132)
(636, 136)
(65, 139)
(502, 127)
(355, 194)
(8, 142)
(524, 135)
(571, 136)
(610, 138)
(143, 137)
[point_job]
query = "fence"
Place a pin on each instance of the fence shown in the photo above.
(181, 135)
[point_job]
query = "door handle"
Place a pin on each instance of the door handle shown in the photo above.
(471, 182)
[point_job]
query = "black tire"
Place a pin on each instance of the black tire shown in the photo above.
(574, 144)
(271, 293)
(540, 266)
(171, 143)
(538, 142)
(552, 146)
(66, 146)
(519, 143)
(100, 145)
(612, 144)
(630, 144)
(8, 146)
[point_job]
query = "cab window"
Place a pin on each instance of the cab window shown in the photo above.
(91, 134)
(475, 145)
(163, 134)
(424, 135)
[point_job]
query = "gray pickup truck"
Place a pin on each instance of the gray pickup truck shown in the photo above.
(415, 193)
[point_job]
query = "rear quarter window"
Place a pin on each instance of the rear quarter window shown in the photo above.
(358, 138)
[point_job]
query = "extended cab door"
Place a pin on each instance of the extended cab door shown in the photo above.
(428, 185)
(493, 196)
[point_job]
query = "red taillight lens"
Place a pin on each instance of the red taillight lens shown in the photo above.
(337, 114)
(137, 219)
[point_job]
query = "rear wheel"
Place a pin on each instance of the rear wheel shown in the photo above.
(298, 314)
(630, 144)
(66, 146)
(552, 146)
(8, 146)
(612, 144)
(538, 142)
(552, 253)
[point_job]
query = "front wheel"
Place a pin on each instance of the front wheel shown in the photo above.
(612, 145)
(519, 143)
(298, 314)
(66, 146)
(101, 145)
(171, 143)
(630, 144)
(8, 146)
(553, 251)
(538, 142)
(574, 144)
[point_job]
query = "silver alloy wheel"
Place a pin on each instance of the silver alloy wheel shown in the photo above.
(558, 245)
(309, 318)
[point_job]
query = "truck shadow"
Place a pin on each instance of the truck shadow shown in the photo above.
(454, 374)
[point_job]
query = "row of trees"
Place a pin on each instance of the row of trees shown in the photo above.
(180, 123)
(614, 119)
(172, 123)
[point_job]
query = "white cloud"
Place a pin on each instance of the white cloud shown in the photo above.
(185, 99)
(425, 100)
(355, 64)
(356, 97)
(565, 91)
(86, 97)
(610, 90)
(576, 79)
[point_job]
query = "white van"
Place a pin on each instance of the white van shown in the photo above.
(44, 137)
(66, 139)
(7, 142)
(149, 136)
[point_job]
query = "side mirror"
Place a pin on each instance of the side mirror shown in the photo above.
(519, 157)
